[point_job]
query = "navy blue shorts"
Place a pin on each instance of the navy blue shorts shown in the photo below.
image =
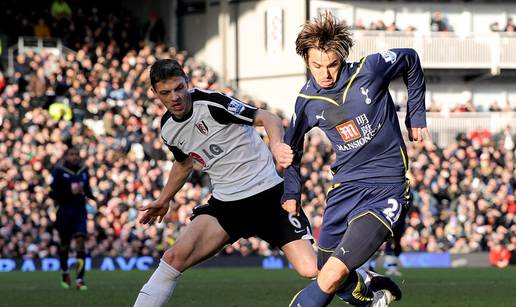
(351, 200)
(70, 224)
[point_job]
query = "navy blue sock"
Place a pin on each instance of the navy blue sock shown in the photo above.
(63, 260)
(311, 296)
(81, 258)
(355, 290)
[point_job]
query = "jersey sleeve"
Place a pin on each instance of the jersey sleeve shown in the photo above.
(87, 188)
(179, 155)
(228, 110)
(394, 63)
(54, 185)
(295, 138)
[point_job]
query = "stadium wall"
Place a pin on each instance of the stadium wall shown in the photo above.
(251, 45)
(144, 263)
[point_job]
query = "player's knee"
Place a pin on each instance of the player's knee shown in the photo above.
(176, 258)
(307, 270)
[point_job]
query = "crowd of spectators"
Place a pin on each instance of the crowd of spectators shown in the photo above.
(468, 107)
(99, 97)
(82, 23)
(509, 26)
(464, 194)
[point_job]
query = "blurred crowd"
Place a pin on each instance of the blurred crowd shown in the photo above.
(79, 23)
(469, 106)
(99, 99)
(102, 103)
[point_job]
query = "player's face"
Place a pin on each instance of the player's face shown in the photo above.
(173, 93)
(73, 157)
(324, 67)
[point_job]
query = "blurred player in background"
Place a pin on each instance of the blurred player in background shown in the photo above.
(217, 131)
(351, 103)
(69, 188)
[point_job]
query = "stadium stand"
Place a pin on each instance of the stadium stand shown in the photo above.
(464, 193)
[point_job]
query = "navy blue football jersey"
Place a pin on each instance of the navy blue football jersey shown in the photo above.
(70, 187)
(359, 118)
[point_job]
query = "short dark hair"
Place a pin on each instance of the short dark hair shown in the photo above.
(327, 34)
(165, 69)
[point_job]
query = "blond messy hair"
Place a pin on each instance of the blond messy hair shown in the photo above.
(325, 33)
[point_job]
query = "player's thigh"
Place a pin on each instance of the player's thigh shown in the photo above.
(65, 231)
(364, 236)
(202, 238)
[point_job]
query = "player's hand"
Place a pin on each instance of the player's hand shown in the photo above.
(291, 206)
(155, 210)
(418, 134)
(282, 153)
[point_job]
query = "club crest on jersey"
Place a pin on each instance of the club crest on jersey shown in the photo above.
(201, 126)
(365, 92)
(235, 107)
(197, 158)
(348, 131)
(389, 56)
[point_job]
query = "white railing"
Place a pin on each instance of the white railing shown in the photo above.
(444, 50)
(53, 45)
(445, 127)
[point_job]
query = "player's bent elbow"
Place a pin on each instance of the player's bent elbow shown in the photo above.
(263, 117)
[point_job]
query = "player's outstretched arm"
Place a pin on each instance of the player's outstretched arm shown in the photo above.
(274, 128)
(176, 179)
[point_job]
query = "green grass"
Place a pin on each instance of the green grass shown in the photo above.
(251, 287)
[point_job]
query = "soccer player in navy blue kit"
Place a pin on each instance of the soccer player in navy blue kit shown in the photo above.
(69, 189)
(351, 104)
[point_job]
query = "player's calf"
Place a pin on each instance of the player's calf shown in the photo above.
(157, 291)
(311, 296)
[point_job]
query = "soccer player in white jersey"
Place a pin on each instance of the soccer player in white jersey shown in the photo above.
(217, 131)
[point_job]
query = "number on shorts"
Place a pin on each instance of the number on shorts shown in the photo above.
(392, 213)
(294, 221)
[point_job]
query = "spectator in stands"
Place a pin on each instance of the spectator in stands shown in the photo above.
(392, 27)
(466, 107)
(60, 9)
(154, 29)
(495, 27)
(499, 256)
(434, 107)
(3, 82)
(438, 23)
(359, 25)
(41, 30)
(495, 107)
(38, 84)
(509, 27)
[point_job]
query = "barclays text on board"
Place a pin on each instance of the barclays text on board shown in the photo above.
(102, 264)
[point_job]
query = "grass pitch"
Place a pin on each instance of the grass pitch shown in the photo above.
(253, 287)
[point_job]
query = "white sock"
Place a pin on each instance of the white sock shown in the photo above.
(159, 288)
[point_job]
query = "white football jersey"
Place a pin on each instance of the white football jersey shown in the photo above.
(219, 135)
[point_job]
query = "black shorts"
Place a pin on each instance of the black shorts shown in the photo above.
(70, 224)
(259, 215)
